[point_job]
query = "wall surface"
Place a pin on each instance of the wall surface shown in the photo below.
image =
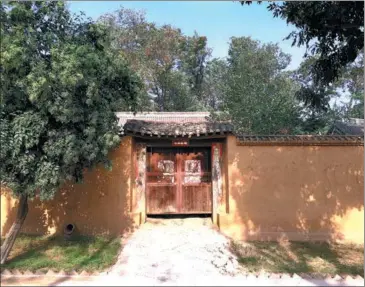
(269, 193)
(100, 205)
(294, 192)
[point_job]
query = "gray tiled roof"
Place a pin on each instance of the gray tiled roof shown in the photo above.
(350, 127)
(168, 117)
(300, 140)
(171, 124)
(198, 124)
(174, 129)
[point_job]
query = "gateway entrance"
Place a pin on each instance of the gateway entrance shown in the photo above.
(179, 180)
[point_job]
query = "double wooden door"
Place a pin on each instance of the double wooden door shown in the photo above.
(179, 181)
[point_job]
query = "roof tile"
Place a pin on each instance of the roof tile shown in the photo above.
(174, 129)
(300, 140)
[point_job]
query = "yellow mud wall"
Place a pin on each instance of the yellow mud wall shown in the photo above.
(100, 205)
(294, 192)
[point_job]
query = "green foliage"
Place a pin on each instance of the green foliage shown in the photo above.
(316, 258)
(251, 88)
(259, 96)
(317, 121)
(319, 115)
(195, 55)
(214, 84)
(60, 87)
(171, 64)
(35, 253)
(320, 95)
(352, 82)
(356, 106)
(332, 31)
(336, 27)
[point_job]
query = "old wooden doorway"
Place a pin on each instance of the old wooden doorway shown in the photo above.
(178, 180)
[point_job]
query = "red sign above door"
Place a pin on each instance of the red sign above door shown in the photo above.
(180, 142)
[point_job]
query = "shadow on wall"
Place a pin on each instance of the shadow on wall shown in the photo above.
(100, 205)
(297, 193)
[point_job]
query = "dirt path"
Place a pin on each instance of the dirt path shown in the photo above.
(176, 252)
(169, 250)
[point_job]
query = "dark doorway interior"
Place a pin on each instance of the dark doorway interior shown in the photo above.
(178, 216)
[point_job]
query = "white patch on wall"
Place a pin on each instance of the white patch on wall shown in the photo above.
(217, 178)
(141, 173)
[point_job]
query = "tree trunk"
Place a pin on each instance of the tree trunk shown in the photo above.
(15, 229)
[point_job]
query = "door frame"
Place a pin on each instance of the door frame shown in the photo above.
(218, 186)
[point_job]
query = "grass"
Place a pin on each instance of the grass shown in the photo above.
(80, 253)
(300, 257)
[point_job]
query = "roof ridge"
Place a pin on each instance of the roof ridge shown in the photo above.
(174, 123)
(162, 113)
(174, 129)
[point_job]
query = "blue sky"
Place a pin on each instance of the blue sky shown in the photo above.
(218, 21)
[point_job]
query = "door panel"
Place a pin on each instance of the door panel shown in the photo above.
(161, 181)
(162, 199)
(196, 181)
(179, 180)
(196, 199)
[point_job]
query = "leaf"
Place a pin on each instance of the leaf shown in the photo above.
(66, 84)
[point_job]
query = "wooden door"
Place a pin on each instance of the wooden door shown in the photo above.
(179, 181)
(161, 184)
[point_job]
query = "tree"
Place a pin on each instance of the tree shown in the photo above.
(259, 97)
(320, 95)
(194, 60)
(319, 116)
(171, 64)
(128, 33)
(318, 121)
(352, 82)
(163, 55)
(60, 88)
(214, 84)
(333, 31)
(355, 108)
